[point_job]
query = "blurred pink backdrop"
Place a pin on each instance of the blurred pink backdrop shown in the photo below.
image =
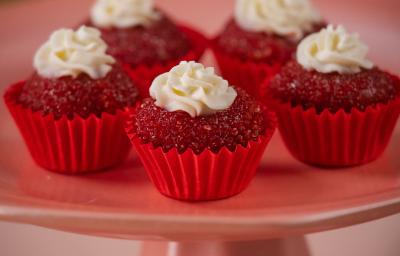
(24, 25)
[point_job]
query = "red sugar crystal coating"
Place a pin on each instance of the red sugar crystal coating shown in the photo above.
(160, 41)
(257, 46)
(243, 121)
(333, 91)
(82, 95)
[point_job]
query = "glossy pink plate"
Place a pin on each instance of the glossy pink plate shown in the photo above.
(286, 197)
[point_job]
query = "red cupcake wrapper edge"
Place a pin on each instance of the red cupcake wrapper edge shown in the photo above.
(206, 176)
(337, 139)
(70, 146)
(143, 75)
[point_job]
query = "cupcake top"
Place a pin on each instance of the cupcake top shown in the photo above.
(137, 33)
(193, 108)
(332, 72)
(192, 88)
(288, 18)
(268, 31)
(70, 53)
(333, 50)
(123, 13)
(74, 75)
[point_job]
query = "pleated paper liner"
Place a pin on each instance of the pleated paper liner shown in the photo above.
(143, 75)
(73, 146)
(200, 177)
(340, 139)
(252, 76)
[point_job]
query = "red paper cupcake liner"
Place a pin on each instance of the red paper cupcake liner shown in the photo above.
(340, 139)
(252, 76)
(70, 146)
(143, 75)
(202, 177)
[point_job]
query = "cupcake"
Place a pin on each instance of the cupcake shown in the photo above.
(71, 112)
(334, 108)
(197, 137)
(260, 38)
(144, 39)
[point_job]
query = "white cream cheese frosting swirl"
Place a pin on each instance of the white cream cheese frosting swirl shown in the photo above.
(333, 50)
(123, 13)
(291, 18)
(192, 88)
(70, 53)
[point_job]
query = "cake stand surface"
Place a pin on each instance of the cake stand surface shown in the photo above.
(286, 199)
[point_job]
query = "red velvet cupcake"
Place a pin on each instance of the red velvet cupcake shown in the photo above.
(144, 39)
(260, 38)
(71, 111)
(334, 108)
(198, 137)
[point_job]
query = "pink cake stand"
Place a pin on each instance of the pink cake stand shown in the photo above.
(285, 201)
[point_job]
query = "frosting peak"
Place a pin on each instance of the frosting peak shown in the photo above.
(283, 17)
(333, 50)
(192, 88)
(123, 13)
(70, 53)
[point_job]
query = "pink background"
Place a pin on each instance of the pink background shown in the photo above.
(24, 25)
